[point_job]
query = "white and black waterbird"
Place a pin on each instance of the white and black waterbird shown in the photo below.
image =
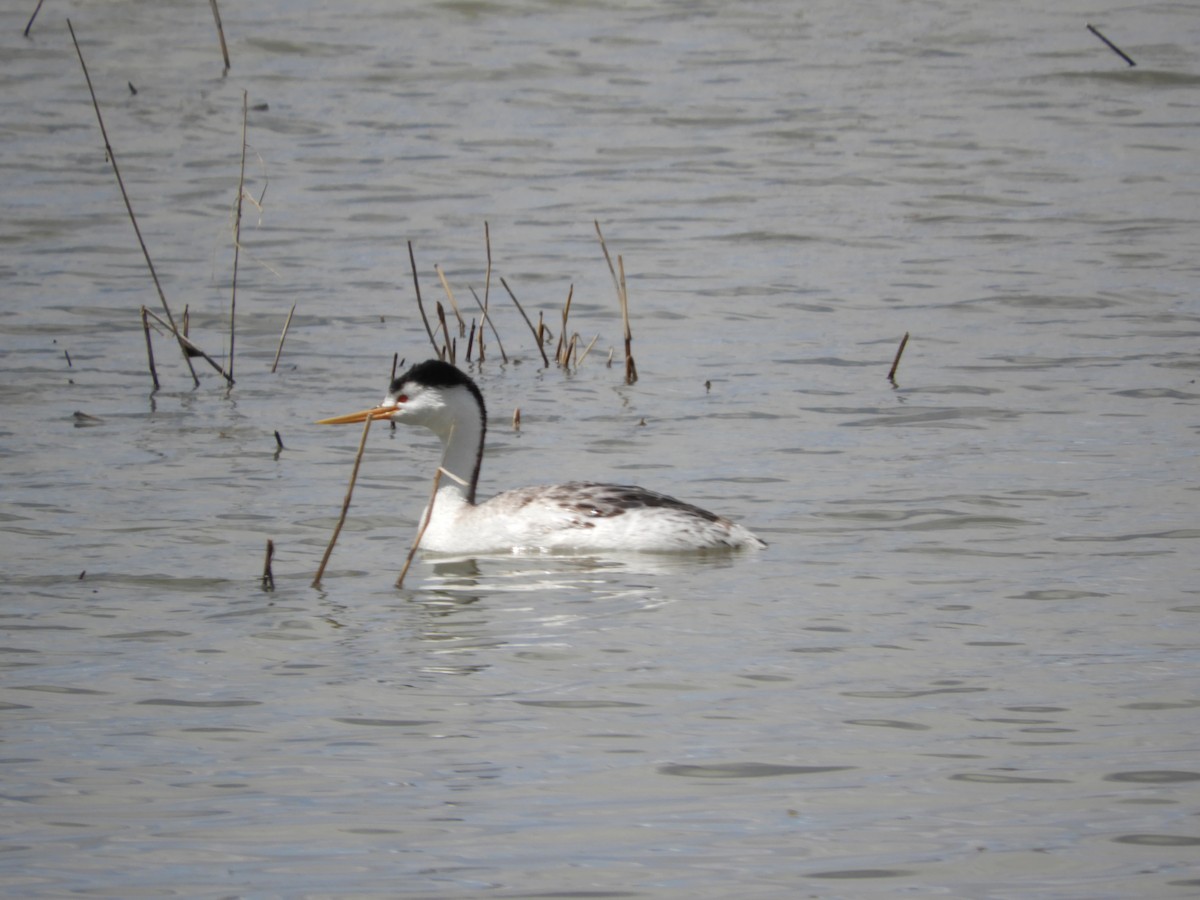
(578, 515)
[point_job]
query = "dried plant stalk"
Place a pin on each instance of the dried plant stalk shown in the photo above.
(536, 333)
(421, 306)
(462, 326)
(283, 337)
(896, 361)
(112, 158)
(345, 503)
(412, 551)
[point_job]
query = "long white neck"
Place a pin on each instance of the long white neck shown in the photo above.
(462, 432)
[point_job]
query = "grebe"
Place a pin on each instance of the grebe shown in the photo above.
(578, 515)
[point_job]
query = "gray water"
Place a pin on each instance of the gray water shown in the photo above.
(965, 667)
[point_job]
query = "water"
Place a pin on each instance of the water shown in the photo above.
(965, 667)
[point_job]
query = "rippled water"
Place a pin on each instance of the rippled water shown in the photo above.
(967, 664)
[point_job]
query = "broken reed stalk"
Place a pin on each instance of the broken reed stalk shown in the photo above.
(189, 348)
(623, 300)
(421, 306)
(630, 365)
(283, 337)
(1111, 46)
(450, 344)
(462, 326)
(487, 280)
(112, 158)
(587, 350)
(896, 362)
(268, 577)
(412, 551)
(220, 34)
(488, 319)
(237, 228)
(536, 333)
(36, 10)
(362, 444)
(149, 347)
(562, 355)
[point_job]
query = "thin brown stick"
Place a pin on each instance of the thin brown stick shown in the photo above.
(587, 350)
(412, 551)
(268, 577)
(36, 10)
(896, 361)
(608, 259)
(149, 347)
(220, 34)
(562, 355)
(237, 227)
(112, 158)
(630, 366)
(189, 348)
(536, 334)
(345, 503)
(283, 337)
(447, 353)
(487, 277)
(1111, 46)
(462, 326)
(488, 319)
(421, 306)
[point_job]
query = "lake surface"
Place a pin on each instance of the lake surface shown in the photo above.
(968, 664)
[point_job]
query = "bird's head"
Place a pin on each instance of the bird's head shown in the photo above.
(434, 394)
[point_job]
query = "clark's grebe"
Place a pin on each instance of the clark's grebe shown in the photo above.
(578, 515)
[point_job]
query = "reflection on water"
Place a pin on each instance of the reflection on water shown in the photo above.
(957, 666)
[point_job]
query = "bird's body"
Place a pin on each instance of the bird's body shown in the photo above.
(577, 515)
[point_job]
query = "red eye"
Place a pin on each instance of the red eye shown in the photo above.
(403, 398)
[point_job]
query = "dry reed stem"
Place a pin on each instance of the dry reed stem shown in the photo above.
(587, 350)
(362, 444)
(630, 365)
(189, 348)
(237, 225)
(1111, 46)
(536, 333)
(283, 337)
(447, 352)
(896, 361)
(488, 319)
(36, 10)
(562, 355)
(623, 300)
(220, 34)
(608, 259)
(149, 347)
(112, 158)
(421, 306)
(462, 326)
(412, 551)
(487, 276)
(268, 577)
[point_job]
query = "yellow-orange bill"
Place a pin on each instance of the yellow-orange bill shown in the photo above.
(376, 412)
